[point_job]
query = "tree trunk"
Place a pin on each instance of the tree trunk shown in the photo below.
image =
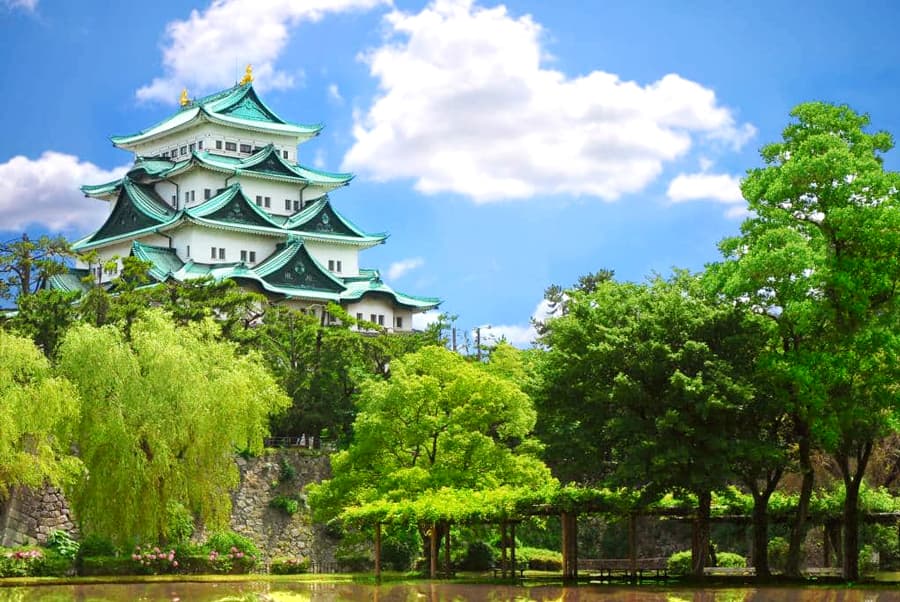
(798, 527)
(761, 534)
(700, 540)
(852, 480)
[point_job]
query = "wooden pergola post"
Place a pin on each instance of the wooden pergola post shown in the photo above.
(378, 552)
(512, 557)
(433, 548)
(632, 545)
(569, 546)
(447, 568)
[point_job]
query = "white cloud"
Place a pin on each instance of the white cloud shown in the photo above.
(319, 159)
(209, 49)
(465, 106)
(723, 188)
(425, 319)
(46, 191)
(26, 5)
(518, 335)
(399, 268)
(335, 94)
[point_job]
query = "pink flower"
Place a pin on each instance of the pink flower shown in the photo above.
(135, 556)
(175, 563)
(233, 549)
(171, 556)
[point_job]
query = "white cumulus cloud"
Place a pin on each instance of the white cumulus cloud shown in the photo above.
(402, 267)
(465, 106)
(26, 5)
(423, 320)
(46, 191)
(334, 94)
(723, 188)
(518, 335)
(209, 49)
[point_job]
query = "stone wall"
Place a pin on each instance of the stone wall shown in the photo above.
(28, 516)
(276, 533)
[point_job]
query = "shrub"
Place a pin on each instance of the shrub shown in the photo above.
(287, 471)
(398, 552)
(19, 562)
(289, 504)
(180, 523)
(229, 542)
(778, 553)
(96, 566)
(479, 557)
(730, 560)
(63, 544)
(289, 566)
(96, 545)
(868, 560)
(153, 560)
(53, 564)
(679, 563)
(353, 562)
(539, 559)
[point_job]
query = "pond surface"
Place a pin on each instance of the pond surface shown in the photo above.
(424, 592)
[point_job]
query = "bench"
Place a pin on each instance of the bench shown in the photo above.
(620, 569)
(520, 568)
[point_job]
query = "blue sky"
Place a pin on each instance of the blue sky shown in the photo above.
(505, 147)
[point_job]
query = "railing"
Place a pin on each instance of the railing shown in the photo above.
(307, 441)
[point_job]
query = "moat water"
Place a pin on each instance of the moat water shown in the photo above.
(425, 592)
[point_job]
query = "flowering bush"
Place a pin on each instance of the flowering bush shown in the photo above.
(20, 563)
(154, 560)
(289, 566)
(234, 560)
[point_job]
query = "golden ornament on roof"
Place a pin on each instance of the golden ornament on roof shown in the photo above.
(248, 75)
(185, 101)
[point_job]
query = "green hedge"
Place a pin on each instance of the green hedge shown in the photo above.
(104, 566)
(289, 566)
(539, 559)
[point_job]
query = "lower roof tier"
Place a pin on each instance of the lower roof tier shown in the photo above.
(288, 273)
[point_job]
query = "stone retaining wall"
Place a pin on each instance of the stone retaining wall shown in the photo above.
(28, 516)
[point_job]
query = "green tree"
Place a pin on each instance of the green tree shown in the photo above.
(37, 414)
(439, 421)
(821, 258)
(45, 316)
(163, 413)
(652, 380)
(26, 264)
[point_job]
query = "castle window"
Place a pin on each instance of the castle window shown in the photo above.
(187, 253)
(252, 256)
(359, 317)
(213, 252)
(243, 255)
(284, 154)
(207, 194)
(381, 319)
(259, 200)
(218, 145)
(268, 202)
(245, 148)
(338, 265)
(372, 318)
(287, 204)
(331, 264)
(200, 145)
(183, 150)
(399, 321)
(192, 146)
(296, 205)
(231, 146)
(221, 253)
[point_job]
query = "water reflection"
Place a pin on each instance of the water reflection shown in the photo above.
(424, 592)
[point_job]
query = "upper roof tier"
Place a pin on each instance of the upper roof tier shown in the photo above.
(266, 163)
(239, 107)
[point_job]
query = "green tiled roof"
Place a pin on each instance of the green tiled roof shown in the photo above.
(238, 106)
(163, 261)
(358, 288)
(138, 209)
(72, 280)
(321, 219)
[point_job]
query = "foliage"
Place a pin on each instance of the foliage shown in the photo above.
(94, 544)
(778, 550)
(180, 526)
(539, 559)
(289, 504)
(289, 566)
(152, 560)
(229, 542)
(440, 425)
(479, 556)
(679, 563)
(37, 413)
(160, 422)
(286, 472)
(26, 264)
(20, 562)
(45, 316)
(869, 560)
(730, 560)
(63, 544)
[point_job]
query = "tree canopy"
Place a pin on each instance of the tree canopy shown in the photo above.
(163, 414)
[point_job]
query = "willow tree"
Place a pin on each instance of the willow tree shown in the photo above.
(164, 412)
(439, 422)
(37, 413)
(820, 257)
